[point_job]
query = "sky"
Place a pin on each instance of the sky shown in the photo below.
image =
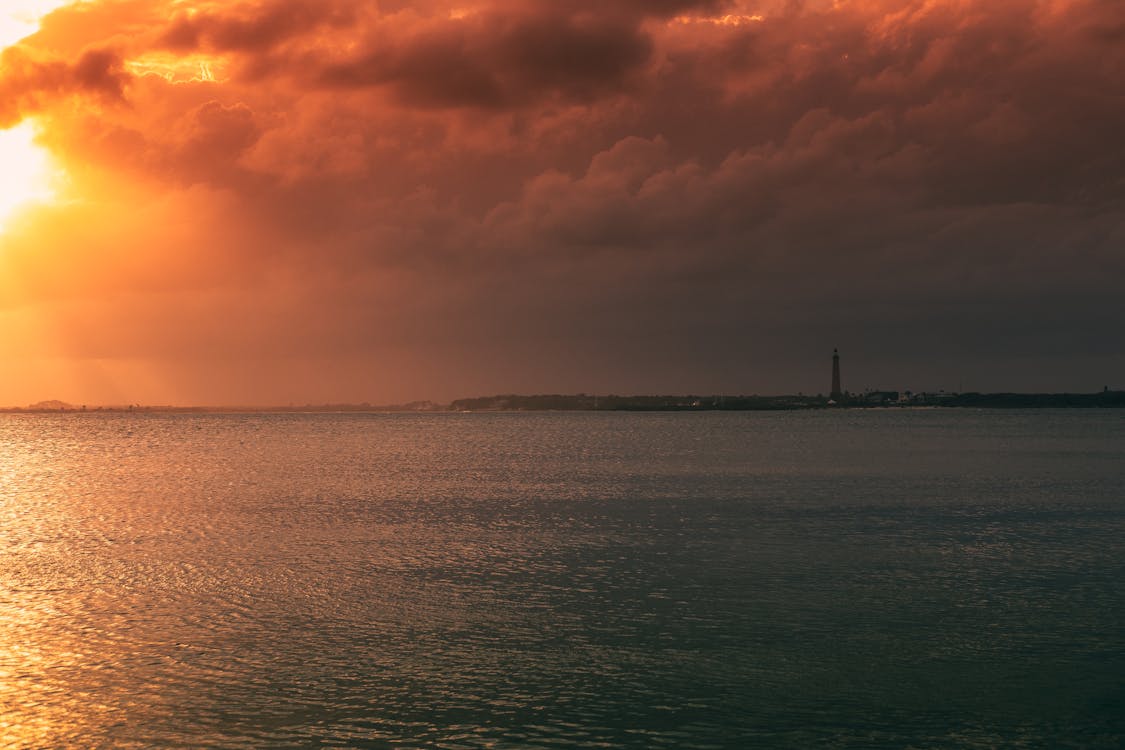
(309, 201)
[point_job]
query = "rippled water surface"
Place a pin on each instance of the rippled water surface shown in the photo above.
(872, 579)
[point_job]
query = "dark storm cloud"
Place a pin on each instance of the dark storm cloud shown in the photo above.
(248, 27)
(715, 192)
(29, 84)
(497, 60)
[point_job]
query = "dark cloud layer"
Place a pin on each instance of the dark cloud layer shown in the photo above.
(426, 200)
(495, 61)
(29, 84)
(253, 28)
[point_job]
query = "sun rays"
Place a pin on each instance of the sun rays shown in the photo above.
(27, 175)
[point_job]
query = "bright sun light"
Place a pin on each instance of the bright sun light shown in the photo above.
(19, 18)
(25, 167)
(26, 174)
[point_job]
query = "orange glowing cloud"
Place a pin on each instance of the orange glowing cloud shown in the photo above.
(295, 200)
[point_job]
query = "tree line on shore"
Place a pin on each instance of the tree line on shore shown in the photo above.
(586, 402)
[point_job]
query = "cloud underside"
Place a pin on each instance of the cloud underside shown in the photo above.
(425, 199)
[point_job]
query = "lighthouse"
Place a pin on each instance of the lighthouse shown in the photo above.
(837, 393)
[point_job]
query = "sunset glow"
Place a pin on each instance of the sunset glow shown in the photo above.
(19, 18)
(26, 175)
(276, 201)
(562, 373)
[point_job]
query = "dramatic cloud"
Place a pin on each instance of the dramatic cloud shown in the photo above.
(295, 200)
(28, 85)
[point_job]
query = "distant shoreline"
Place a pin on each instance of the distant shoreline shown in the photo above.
(1106, 399)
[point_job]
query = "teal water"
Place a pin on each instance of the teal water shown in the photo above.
(852, 579)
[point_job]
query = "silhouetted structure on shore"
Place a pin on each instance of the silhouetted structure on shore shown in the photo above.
(873, 399)
(836, 393)
(1105, 399)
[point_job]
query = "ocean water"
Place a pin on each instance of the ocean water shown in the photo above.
(847, 579)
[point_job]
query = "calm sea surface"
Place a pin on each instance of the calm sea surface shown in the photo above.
(922, 579)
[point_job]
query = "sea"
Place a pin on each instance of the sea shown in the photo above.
(898, 578)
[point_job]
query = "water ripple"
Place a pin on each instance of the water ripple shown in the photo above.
(512, 581)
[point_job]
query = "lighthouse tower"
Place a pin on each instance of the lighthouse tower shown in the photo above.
(837, 393)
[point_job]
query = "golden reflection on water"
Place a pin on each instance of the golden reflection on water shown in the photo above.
(29, 714)
(558, 580)
(52, 660)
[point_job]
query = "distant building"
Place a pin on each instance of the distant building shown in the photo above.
(837, 392)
